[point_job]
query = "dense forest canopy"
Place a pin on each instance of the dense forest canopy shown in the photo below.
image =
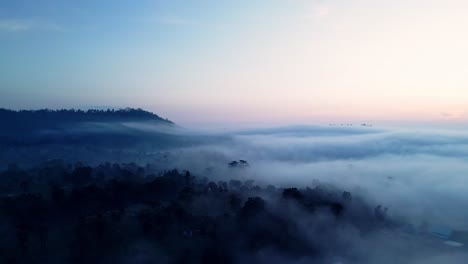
(125, 213)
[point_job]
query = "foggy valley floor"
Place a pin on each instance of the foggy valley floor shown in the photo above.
(130, 187)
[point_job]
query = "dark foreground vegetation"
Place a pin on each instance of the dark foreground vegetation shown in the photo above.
(124, 213)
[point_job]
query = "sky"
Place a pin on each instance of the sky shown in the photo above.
(243, 61)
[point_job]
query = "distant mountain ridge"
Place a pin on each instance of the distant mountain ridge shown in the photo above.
(47, 118)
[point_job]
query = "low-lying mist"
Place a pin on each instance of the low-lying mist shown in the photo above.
(419, 174)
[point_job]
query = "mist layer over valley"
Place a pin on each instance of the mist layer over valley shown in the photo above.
(344, 194)
(419, 174)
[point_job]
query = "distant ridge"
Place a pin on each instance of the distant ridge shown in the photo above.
(71, 115)
(26, 120)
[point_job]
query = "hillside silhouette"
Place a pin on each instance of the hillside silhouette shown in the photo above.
(31, 136)
(18, 121)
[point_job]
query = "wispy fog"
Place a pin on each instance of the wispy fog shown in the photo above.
(416, 177)
(419, 174)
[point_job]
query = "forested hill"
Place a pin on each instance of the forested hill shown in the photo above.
(46, 118)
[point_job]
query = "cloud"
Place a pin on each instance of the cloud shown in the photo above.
(170, 20)
(316, 12)
(453, 115)
(322, 12)
(174, 20)
(14, 25)
(22, 25)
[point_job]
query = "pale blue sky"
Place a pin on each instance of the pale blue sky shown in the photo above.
(278, 61)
